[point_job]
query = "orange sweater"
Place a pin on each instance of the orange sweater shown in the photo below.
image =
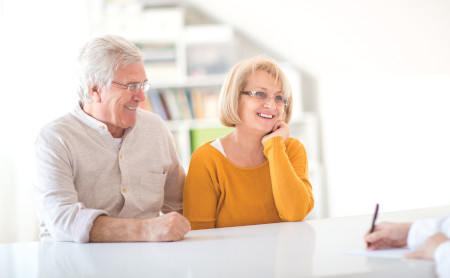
(218, 194)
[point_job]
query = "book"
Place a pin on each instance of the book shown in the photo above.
(197, 103)
(199, 136)
(164, 106)
(157, 104)
(171, 102)
(189, 100)
(183, 104)
(146, 105)
(210, 102)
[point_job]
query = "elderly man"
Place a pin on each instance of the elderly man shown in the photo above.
(106, 170)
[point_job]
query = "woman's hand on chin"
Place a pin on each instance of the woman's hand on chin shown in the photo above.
(279, 129)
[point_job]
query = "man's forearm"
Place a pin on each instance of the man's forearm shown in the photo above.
(112, 229)
(168, 227)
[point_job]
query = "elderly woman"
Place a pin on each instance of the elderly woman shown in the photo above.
(256, 174)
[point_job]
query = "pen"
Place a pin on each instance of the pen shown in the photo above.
(373, 222)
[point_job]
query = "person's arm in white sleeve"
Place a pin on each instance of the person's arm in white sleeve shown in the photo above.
(442, 258)
(430, 239)
(64, 216)
(422, 229)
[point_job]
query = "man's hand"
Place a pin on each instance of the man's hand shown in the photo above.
(388, 234)
(279, 129)
(426, 251)
(168, 227)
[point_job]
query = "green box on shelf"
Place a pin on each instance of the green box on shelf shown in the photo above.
(199, 136)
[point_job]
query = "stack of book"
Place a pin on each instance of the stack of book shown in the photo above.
(183, 103)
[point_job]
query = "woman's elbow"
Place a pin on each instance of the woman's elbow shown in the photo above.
(299, 213)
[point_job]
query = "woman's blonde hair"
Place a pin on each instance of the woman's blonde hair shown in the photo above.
(236, 80)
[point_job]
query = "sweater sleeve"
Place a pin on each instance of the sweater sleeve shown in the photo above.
(289, 175)
(200, 197)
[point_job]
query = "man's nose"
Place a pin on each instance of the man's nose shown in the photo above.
(140, 95)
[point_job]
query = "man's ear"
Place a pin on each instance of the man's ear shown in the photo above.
(95, 93)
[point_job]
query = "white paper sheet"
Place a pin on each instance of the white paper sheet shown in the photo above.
(394, 253)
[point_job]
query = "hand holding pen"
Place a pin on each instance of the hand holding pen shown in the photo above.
(386, 234)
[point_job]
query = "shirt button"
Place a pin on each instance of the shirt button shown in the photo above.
(124, 190)
(121, 156)
(101, 127)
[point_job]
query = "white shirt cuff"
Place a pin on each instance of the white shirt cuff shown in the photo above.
(84, 222)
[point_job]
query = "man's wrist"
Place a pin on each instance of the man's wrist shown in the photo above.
(141, 229)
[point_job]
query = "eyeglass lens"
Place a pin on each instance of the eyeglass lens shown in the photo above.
(135, 87)
(279, 99)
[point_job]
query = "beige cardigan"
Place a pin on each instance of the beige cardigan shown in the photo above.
(81, 174)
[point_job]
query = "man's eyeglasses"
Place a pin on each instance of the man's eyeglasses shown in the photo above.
(134, 87)
(263, 96)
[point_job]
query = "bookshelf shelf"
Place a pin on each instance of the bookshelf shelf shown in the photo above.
(190, 82)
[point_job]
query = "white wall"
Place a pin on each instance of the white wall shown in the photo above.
(380, 72)
(386, 140)
(39, 44)
(346, 36)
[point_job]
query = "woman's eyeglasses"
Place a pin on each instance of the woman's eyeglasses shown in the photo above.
(263, 96)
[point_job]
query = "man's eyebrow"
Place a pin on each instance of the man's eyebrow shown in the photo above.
(137, 82)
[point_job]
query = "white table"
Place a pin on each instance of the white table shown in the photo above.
(313, 248)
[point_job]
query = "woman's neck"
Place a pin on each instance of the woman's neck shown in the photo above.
(244, 149)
